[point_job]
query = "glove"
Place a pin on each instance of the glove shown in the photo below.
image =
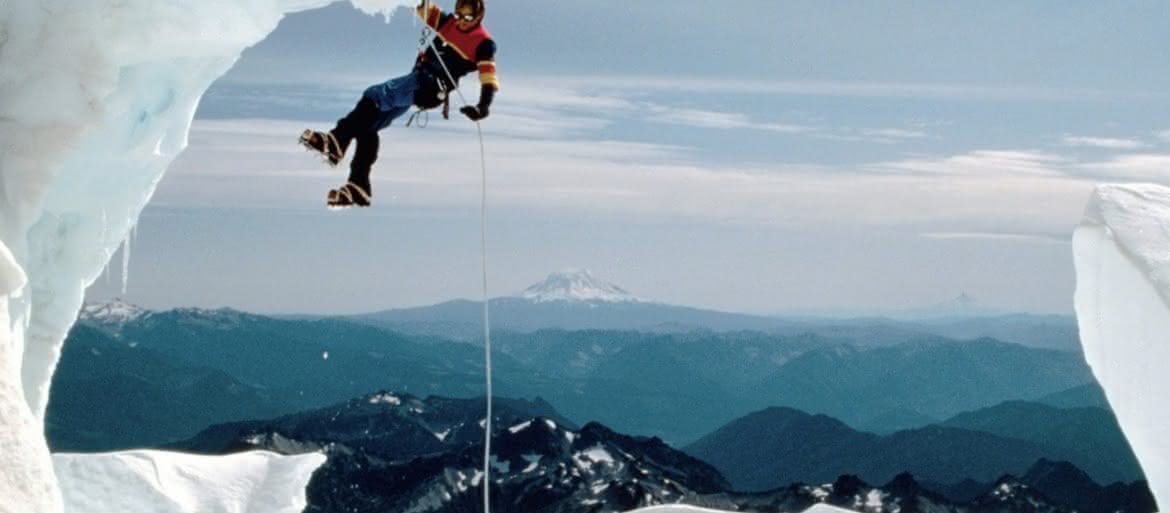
(474, 113)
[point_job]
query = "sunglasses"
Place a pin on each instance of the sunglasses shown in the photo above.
(465, 17)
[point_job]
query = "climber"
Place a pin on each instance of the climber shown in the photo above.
(461, 45)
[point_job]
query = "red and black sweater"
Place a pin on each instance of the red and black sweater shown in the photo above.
(462, 52)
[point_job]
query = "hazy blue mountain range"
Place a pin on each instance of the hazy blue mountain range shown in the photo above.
(318, 362)
(577, 300)
(461, 320)
(1090, 433)
(1042, 331)
(146, 398)
(394, 452)
(724, 375)
(1090, 394)
(776, 446)
(934, 378)
(634, 381)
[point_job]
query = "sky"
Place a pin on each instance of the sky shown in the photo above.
(756, 156)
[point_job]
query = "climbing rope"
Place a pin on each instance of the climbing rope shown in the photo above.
(487, 335)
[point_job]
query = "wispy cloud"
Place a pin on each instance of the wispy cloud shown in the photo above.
(871, 135)
(719, 120)
(999, 236)
(257, 163)
(829, 88)
(537, 111)
(611, 103)
(985, 163)
(1163, 135)
(570, 96)
(1109, 143)
(894, 133)
(1147, 166)
(560, 100)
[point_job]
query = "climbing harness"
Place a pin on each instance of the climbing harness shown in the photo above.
(423, 115)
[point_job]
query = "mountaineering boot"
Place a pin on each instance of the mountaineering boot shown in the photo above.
(325, 144)
(349, 195)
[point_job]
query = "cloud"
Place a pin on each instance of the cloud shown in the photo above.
(1147, 166)
(536, 111)
(999, 236)
(851, 89)
(1163, 135)
(1108, 143)
(894, 133)
(608, 103)
(560, 100)
(982, 163)
(871, 135)
(524, 121)
(256, 163)
(718, 120)
(568, 96)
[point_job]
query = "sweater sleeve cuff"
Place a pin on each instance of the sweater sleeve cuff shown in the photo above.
(487, 93)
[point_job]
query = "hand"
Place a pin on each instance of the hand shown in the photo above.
(474, 113)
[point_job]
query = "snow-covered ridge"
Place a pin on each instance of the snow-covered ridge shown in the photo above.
(115, 311)
(577, 285)
(385, 398)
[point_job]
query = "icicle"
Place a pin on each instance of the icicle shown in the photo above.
(106, 269)
(125, 263)
(130, 236)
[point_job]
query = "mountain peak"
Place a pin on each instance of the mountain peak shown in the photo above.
(114, 311)
(577, 285)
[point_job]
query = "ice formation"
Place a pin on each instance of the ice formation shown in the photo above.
(254, 482)
(96, 100)
(1122, 253)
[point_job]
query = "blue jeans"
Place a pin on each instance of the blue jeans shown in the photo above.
(379, 106)
(393, 98)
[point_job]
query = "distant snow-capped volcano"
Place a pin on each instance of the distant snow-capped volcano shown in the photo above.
(577, 285)
(115, 311)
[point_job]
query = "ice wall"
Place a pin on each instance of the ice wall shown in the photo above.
(31, 480)
(96, 100)
(1122, 254)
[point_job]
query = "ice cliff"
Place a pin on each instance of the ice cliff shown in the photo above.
(1122, 254)
(96, 100)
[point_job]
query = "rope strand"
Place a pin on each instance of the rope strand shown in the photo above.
(487, 336)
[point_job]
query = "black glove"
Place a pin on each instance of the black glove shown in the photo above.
(475, 113)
